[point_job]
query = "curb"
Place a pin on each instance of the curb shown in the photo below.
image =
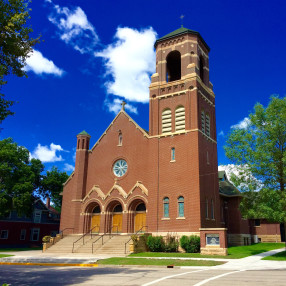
(48, 264)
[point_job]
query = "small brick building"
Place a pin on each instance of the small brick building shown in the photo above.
(162, 180)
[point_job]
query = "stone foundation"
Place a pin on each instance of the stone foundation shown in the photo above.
(213, 250)
(269, 238)
(239, 239)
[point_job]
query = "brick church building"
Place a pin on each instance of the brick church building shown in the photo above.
(165, 179)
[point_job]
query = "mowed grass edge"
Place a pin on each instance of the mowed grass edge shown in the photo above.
(281, 256)
(234, 252)
(157, 262)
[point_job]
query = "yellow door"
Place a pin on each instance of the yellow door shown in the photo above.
(95, 223)
(117, 223)
(140, 221)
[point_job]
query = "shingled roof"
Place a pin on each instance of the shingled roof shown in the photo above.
(226, 188)
(181, 31)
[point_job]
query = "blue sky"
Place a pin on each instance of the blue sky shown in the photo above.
(94, 53)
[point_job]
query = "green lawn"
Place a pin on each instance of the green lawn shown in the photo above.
(158, 262)
(5, 255)
(234, 252)
(279, 256)
(20, 249)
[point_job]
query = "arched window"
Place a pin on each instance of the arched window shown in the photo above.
(207, 208)
(202, 64)
(212, 209)
(208, 129)
(166, 121)
(141, 208)
(173, 154)
(96, 210)
(166, 207)
(117, 209)
(173, 66)
(203, 121)
(181, 212)
(180, 118)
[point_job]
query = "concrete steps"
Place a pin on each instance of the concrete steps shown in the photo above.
(113, 244)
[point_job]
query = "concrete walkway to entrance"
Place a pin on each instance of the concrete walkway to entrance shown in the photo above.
(248, 263)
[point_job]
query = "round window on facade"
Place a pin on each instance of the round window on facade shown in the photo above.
(120, 168)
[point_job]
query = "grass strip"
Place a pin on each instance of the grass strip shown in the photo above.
(278, 256)
(234, 252)
(157, 262)
(5, 255)
(20, 249)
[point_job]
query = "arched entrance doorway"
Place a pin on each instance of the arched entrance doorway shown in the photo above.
(95, 219)
(140, 217)
(117, 218)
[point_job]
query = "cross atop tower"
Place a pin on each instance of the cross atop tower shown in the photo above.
(182, 18)
(123, 103)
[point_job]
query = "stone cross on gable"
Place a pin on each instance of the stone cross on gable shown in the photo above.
(123, 105)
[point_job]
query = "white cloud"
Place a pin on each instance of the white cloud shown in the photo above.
(47, 154)
(37, 63)
(243, 124)
(115, 106)
(68, 167)
(130, 61)
(242, 172)
(74, 28)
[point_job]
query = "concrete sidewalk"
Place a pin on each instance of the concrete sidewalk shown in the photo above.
(248, 263)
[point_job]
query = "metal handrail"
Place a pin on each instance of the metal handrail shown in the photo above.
(102, 236)
(83, 236)
(62, 231)
(145, 226)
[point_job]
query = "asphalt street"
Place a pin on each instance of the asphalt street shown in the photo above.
(42, 275)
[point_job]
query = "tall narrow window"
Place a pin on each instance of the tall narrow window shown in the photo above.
(180, 118)
(212, 209)
(208, 132)
(166, 121)
(208, 158)
(207, 208)
(166, 207)
(203, 121)
(82, 147)
(23, 234)
(120, 139)
(35, 232)
(181, 211)
(173, 154)
(202, 64)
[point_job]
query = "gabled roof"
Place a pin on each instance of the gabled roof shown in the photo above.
(181, 31)
(226, 188)
(144, 132)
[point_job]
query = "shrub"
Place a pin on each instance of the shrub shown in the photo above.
(171, 243)
(190, 244)
(155, 243)
(46, 238)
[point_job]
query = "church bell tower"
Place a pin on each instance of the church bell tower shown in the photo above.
(182, 117)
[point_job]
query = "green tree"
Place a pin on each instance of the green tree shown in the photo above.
(261, 146)
(52, 186)
(19, 178)
(15, 44)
